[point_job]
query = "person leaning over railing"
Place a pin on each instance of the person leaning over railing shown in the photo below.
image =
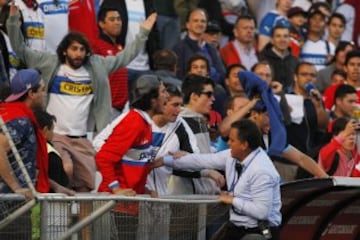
(124, 150)
(253, 183)
(27, 93)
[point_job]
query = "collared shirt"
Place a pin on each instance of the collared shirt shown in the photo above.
(247, 55)
(256, 192)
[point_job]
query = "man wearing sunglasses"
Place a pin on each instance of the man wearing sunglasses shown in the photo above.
(253, 184)
(198, 98)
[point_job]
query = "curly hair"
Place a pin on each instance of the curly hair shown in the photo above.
(70, 38)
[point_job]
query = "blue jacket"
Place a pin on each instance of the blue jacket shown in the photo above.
(187, 48)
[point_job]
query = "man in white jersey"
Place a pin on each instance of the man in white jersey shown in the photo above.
(56, 23)
(170, 133)
(315, 50)
(79, 94)
(32, 24)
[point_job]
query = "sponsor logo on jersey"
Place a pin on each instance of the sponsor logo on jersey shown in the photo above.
(77, 89)
(34, 30)
(316, 59)
(49, 8)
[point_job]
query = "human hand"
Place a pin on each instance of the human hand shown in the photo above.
(154, 194)
(316, 97)
(26, 192)
(64, 190)
(276, 87)
(217, 177)
(350, 128)
(158, 162)
(226, 197)
(252, 102)
(178, 154)
(124, 191)
(13, 9)
(149, 22)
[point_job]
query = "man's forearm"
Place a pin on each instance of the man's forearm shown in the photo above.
(6, 172)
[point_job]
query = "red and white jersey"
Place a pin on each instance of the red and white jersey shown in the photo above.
(125, 151)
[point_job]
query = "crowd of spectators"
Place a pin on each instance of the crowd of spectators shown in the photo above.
(121, 84)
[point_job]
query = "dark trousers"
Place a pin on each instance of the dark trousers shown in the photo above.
(237, 233)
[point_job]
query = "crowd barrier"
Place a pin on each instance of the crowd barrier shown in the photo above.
(103, 216)
(312, 209)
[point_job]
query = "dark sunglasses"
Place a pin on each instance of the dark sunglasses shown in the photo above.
(209, 94)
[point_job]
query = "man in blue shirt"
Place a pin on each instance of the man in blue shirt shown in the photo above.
(253, 183)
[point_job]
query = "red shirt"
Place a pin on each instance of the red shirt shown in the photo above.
(329, 95)
(346, 166)
(119, 79)
(82, 18)
(229, 54)
(124, 156)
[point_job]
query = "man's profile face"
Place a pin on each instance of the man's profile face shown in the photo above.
(172, 108)
(39, 97)
(205, 99)
(236, 146)
(75, 55)
(233, 81)
(347, 104)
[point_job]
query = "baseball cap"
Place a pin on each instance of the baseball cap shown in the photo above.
(143, 86)
(22, 82)
(212, 27)
(296, 11)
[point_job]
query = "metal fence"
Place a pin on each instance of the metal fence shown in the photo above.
(98, 216)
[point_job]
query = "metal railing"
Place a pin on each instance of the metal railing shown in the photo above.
(103, 216)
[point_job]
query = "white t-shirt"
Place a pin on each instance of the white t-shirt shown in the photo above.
(136, 14)
(70, 96)
(316, 53)
(56, 21)
(33, 25)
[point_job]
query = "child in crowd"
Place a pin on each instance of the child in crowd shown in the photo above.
(340, 157)
(58, 178)
(297, 18)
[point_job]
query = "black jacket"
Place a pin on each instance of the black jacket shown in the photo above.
(283, 68)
